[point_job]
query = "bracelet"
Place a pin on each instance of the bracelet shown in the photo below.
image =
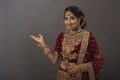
(46, 50)
(47, 54)
(43, 47)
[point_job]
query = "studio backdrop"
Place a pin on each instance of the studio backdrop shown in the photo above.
(21, 59)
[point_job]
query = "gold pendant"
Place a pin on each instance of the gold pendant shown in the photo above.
(67, 63)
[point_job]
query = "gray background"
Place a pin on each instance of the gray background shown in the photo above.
(20, 59)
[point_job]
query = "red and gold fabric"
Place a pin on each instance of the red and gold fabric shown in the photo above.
(73, 49)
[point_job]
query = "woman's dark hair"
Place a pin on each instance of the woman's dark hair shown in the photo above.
(78, 13)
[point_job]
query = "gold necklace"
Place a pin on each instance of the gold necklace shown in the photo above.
(68, 44)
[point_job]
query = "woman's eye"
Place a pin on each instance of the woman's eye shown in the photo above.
(72, 18)
(66, 18)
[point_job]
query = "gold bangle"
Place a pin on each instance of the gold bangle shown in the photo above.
(47, 54)
(46, 50)
(46, 46)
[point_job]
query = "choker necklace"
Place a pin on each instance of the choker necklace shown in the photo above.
(72, 33)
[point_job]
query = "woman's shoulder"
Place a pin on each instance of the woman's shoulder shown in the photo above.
(91, 35)
(60, 35)
(87, 31)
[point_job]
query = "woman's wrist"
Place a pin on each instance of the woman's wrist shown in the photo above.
(46, 49)
(43, 44)
(84, 66)
(79, 67)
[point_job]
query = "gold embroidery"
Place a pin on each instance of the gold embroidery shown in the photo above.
(85, 66)
(91, 72)
(64, 75)
(83, 49)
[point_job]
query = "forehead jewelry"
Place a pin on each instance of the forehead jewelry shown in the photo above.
(68, 13)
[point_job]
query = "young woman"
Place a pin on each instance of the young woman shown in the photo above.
(77, 48)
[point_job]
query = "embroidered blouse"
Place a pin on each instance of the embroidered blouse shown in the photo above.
(92, 54)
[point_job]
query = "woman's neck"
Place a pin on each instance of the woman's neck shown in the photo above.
(72, 32)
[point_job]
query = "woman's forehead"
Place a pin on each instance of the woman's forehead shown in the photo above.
(69, 13)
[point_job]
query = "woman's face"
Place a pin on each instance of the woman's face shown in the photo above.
(71, 21)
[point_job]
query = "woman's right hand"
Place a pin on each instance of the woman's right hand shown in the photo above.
(39, 39)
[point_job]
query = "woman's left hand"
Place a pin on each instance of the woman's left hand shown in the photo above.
(73, 68)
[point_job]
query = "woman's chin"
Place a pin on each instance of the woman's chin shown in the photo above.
(70, 29)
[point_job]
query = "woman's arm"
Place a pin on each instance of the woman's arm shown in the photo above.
(53, 56)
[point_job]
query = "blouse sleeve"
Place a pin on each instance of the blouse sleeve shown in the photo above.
(58, 45)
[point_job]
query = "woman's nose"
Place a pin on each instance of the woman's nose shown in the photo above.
(69, 22)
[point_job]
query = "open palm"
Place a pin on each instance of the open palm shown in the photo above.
(39, 39)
